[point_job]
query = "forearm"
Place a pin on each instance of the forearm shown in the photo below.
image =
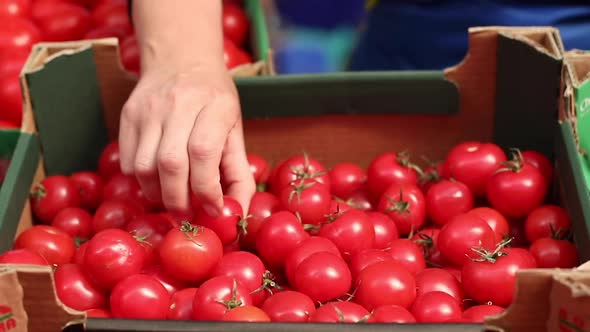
(178, 33)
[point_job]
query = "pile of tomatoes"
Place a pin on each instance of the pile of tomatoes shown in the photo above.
(27, 22)
(389, 243)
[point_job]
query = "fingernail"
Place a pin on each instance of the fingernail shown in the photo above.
(210, 210)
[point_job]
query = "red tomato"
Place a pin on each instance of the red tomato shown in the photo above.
(541, 162)
(75, 289)
(518, 236)
(233, 56)
(18, 35)
(235, 24)
(80, 253)
(288, 306)
(304, 249)
(125, 188)
(478, 313)
(455, 272)
(407, 254)
(361, 200)
(339, 312)
(391, 314)
(111, 256)
(190, 252)
(362, 259)
(326, 269)
(18, 8)
(554, 253)
(181, 304)
(55, 245)
(430, 176)
(218, 295)
(11, 98)
(436, 307)
(516, 189)
(109, 162)
(308, 199)
(427, 239)
(259, 167)
(387, 170)
(243, 266)
(385, 229)
(139, 297)
(246, 314)
(113, 214)
(22, 256)
(438, 280)
(66, 21)
(346, 179)
(351, 232)
(385, 283)
(547, 221)
(447, 199)
(90, 186)
(149, 227)
(277, 236)
(51, 195)
(461, 235)
(472, 163)
(405, 205)
(262, 205)
(493, 277)
(76, 222)
(495, 220)
(12, 63)
(160, 274)
(112, 14)
(106, 32)
(338, 207)
(299, 168)
(226, 224)
(97, 313)
(130, 56)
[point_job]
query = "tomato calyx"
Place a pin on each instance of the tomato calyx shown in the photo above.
(303, 173)
(298, 189)
(39, 192)
(233, 302)
(560, 233)
(487, 256)
(190, 231)
(403, 158)
(261, 187)
(400, 205)
(78, 241)
(513, 165)
(268, 284)
(243, 225)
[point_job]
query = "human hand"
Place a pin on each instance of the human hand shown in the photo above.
(181, 130)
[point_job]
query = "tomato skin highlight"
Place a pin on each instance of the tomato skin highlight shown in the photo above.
(385, 283)
(76, 222)
(262, 206)
(436, 307)
(463, 233)
(407, 254)
(478, 313)
(303, 250)
(447, 199)
(389, 169)
(541, 162)
(139, 297)
(226, 224)
(51, 195)
(363, 259)
(90, 186)
(326, 269)
(391, 314)
(384, 228)
(246, 314)
(243, 266)
(55, 245)
(235, 23)
(495, 220)
(109, 162)
(289, 306)
(278, 235)
(346, 179)
(439, 280)
(76, 290)
(546, 220)
(351, 232)
(308, 199)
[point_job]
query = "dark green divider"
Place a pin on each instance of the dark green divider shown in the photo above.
(8, 139)
(15, 189)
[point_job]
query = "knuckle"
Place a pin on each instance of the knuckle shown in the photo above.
(171, 162)
(144, 166)
(129, 111)
(201, 150)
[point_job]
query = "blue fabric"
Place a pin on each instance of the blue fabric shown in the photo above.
(433, 34)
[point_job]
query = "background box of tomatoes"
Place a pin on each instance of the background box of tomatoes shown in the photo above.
(507, 90)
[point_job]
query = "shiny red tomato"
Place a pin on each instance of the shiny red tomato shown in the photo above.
(288, 306)
(391, 314)
(12, 8)
(125, 188)
(492, 278)
(80, 253)
(55, 245)
(149, 227)
(66, 21)
(299, 168)
(478, 313)
(22, 256)
(51, 195)
(541, 162)
(518, 235)
(365, 258)
(431, 176)
(113, 214)
(246, 314)
(516, 189)
(326, 269)
(473, 163)
(308, 199)
(438, 280)
(361, 200)
(495, 220)
(351, 232)
(112, 14)
(547, 221)
(235, 24)
(259, 167)
(447, 199)
(385, 229)
(262, 205)
(339, 312)
(385, 283)
(109, 162)
(76, 222)
(218, 295)
(226, 224)
(304, 249)
(11, 98)
(12, 63)
(190, 252)
(98, 313)
(76, 290)
(106, 32)
(169, 282)
(461, 235)
(181, 304)
(111, 256)
(243, 266)
(90, 186)
(427, 239)
(130, 56)
(407, 254)
(18, 35)
(139, 297)
(554, 253)
(346, 179)
(233, 56)
(436, 307)
(278, 235)
(405, 205)
(387, 170)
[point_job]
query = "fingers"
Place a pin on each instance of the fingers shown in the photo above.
(205, 147)
(235, 169)
(128, 138)
(145, 165)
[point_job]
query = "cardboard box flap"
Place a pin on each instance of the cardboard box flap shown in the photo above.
(570, 302)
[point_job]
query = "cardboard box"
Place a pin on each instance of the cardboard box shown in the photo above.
(510, 80)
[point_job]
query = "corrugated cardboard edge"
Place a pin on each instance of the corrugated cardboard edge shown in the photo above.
(44, 310)
(570, 302)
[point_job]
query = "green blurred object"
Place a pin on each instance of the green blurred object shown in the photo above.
(8, 139)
